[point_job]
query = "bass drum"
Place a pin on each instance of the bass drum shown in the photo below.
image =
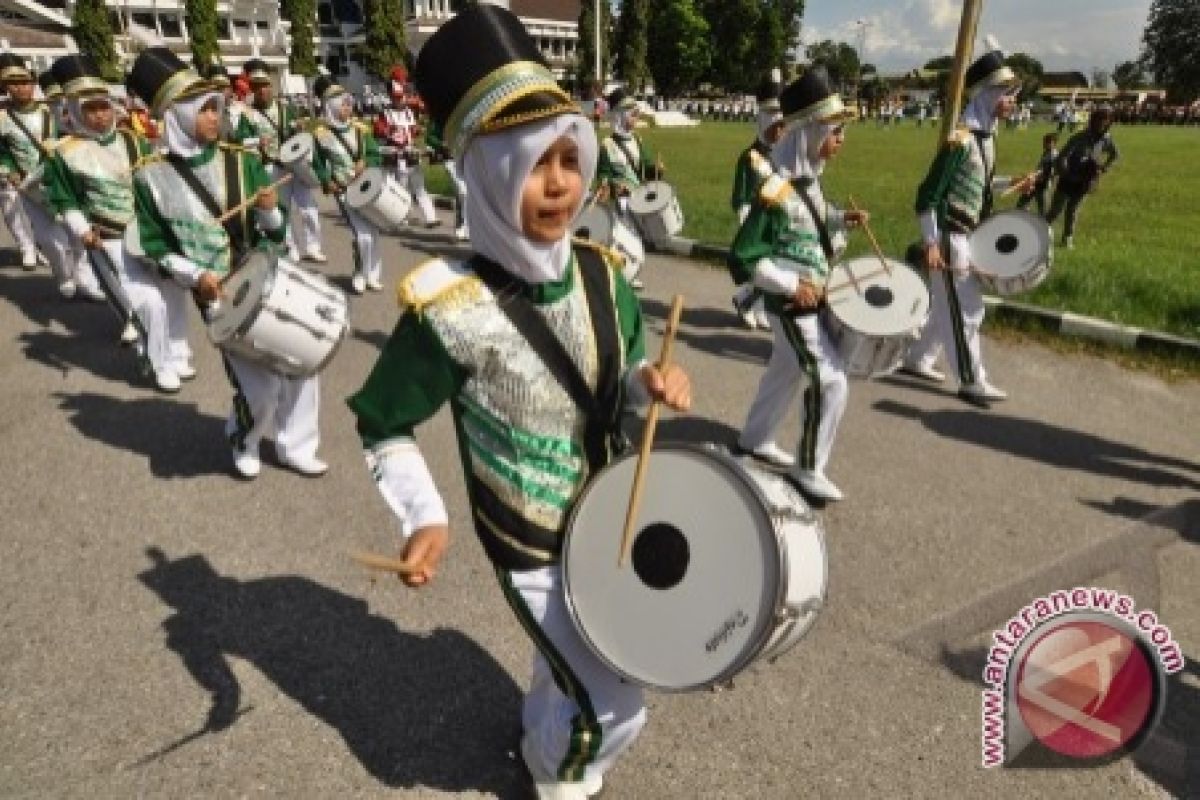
(727, 566)
(296, 157)
(1013, 251)
(601, 225)
(656, 208)
(379, 198)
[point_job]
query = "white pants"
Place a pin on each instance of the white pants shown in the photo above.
(413, 179)
(307, 222)
(367, 259)
(18, 223)
(579, 696)
(267, 402)
(802, 349)
(956, 318)
(460, 193)
(69, 263)
(155, 300)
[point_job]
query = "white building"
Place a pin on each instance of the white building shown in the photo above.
(40, 31)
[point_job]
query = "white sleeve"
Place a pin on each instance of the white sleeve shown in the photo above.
(742, 213)
(407, 486)
(183, 269)
(769, 277)
(929, 226)
(269, 220)
(960, 251)
(835, 218)
(77, 223)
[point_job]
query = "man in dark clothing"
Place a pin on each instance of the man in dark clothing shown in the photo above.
(1078, 168)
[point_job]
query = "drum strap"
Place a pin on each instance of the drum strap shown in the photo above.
(41, 148)
(601, 407)
(235, 227)
(351, 151)
(818, 220)
(635, 164)
(989, 171)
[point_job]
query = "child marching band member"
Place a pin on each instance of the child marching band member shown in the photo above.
(625, 161)
(528, 444)
(89, 181)
(345, 147)
(405, 134)
(10, 199)
(1041, 180)
(786, 246)
(753, 168)
(28, 131)
(231, 117)
(266, 123)
(178, 199)
(954, 198)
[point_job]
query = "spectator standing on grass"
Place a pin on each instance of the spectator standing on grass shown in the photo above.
(1079, 169)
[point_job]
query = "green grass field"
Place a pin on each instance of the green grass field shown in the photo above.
(1134, 260)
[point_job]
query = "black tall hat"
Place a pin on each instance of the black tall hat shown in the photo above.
(50, 88)
(620, 100)
(990, 70)
(810, 97)
(159, 78)
(218, 74)
(325, 87)
(257, 71)
(481, 72)
(78, 74)
(13, 68)
(768, 91)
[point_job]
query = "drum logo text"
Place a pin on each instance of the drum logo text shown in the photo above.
(736, 620)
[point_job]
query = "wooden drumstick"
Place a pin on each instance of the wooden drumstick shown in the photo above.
(242, 206)
(874, 242)
(639, 475)
(1019, 186)
(385, 563)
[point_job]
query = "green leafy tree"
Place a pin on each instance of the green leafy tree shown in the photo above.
(1029, 70)
(385, 44)
(302, 14)
(1169, 50)
(201, 18)
(632, 30)
(940, 64)
(734, 39)
(678, 50)
(839, 58)
(586, 66)
(93, 32)
(1129, 75)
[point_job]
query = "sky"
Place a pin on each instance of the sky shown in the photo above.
(1062, 34)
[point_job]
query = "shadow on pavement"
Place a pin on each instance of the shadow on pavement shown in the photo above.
(416, 710)
(1170, 756)
(177, 440)
(746, 345)
(1124, 507)
(1050, 444)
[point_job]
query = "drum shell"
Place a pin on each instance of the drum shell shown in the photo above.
(379, 198)
(793, 584)
(601, 225)
(656, 208)
(296, 157)
(281, 316)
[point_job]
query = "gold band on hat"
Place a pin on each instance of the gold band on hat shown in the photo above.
(828, 109)
(16, 73)
(184, 83)
(85, 83)
(481, 109)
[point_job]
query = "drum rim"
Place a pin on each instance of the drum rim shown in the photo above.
(268, 285)
(762, 631)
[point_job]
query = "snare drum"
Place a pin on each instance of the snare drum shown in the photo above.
(874, 324)
(727, 566)
(656, 209)
(279, 315)
(296, 156)
(602, 226)
(1013, 251)
(379, 198)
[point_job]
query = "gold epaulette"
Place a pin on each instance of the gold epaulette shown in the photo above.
(237, 148)
(438, 281)
(775, 191)
(611, 257)
(959, 137)
(145, 161)
(63, 143)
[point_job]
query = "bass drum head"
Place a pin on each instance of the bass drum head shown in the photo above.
(366, 188)
(1011, 243)
(887, 305)
(651, 198)
(695, 601)
(243, 290)
(596, 224)
(296, 148)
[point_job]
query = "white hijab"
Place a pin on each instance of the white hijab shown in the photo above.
(798, 152)
(75, 112)
(495, 168)
(180, 119)
(980, 113)
(765, 120)
(333, 107)
(623, 121)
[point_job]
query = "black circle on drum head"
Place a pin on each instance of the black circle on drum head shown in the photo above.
(365, 187)
(879, 296)
(1007, 243)
(651, 196)
(660, 555)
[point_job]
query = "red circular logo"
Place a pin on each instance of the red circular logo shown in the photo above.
(1085, 689)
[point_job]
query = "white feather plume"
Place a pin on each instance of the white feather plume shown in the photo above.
(147, 37)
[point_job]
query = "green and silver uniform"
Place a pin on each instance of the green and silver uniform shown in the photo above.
(752, 170)
(625, 162)
(526, 448)
(336, 154)
(266, 128)
(18, 153)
